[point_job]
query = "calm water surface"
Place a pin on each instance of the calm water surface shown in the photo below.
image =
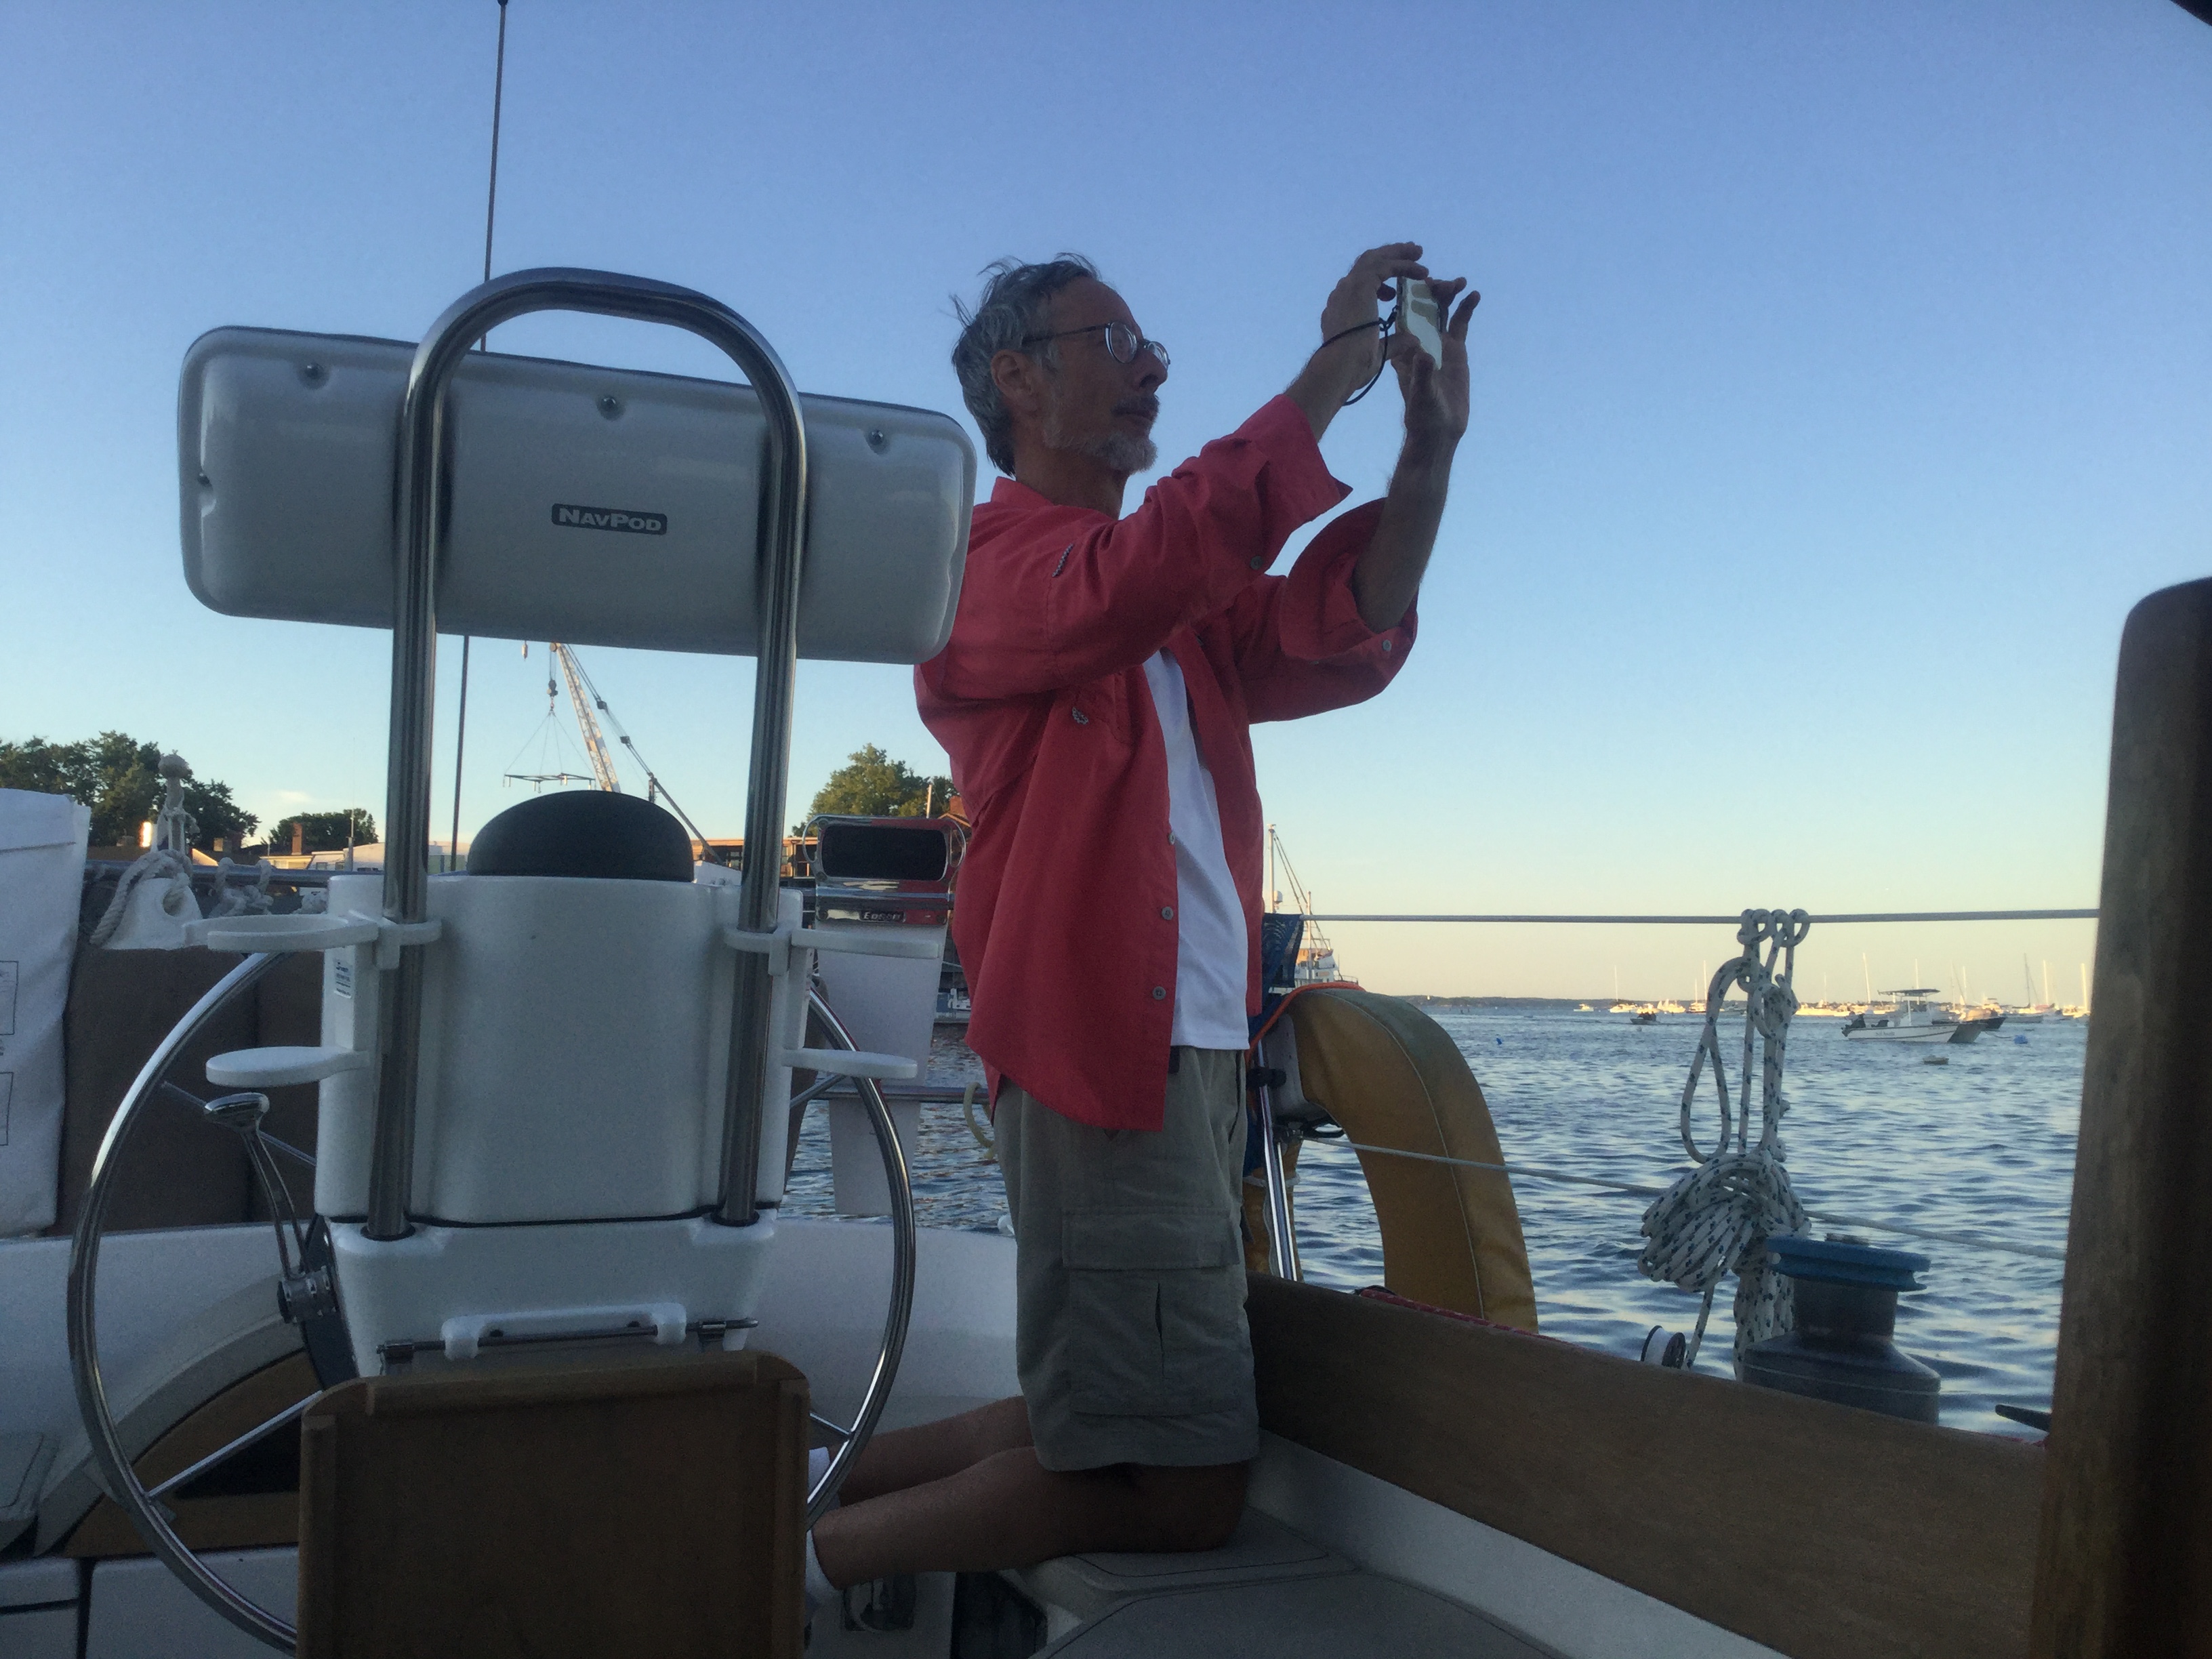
(1983, 1145)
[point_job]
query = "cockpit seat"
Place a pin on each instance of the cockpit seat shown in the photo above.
(1345, 1615)
(1260, 1549)
(590, 833)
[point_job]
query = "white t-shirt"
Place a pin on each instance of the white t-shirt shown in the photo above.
(1210, 947)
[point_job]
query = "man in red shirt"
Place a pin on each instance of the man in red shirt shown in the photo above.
(1096, 698)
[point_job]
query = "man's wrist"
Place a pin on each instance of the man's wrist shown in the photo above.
(1336, 369)
(1424, 463)
(1330, 376)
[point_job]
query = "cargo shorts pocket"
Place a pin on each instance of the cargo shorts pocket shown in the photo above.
(1155, 1312)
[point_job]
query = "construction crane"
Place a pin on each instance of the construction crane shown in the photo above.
(584, 698)
(595, 746)
(1316, 962)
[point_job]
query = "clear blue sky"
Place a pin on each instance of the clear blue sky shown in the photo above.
(1843, 376)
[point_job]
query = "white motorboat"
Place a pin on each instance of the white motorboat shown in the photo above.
(1913, 1018)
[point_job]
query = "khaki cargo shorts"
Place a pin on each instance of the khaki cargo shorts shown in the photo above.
(1129, 1329)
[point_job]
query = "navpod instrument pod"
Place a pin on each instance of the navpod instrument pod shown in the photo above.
(552, 1107)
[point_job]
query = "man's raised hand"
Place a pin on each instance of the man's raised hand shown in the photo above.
(1349, 341)
(1437, 399)
(1353, 301)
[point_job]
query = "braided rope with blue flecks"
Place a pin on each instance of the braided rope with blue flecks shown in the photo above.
(1716, 1219)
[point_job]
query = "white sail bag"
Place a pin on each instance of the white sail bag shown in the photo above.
(42, 841)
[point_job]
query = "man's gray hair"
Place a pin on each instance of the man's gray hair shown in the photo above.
(1011, 309)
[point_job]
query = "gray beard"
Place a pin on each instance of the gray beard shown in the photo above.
(1117, 450)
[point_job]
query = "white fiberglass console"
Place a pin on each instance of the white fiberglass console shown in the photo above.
(574, 1056)
(572, 1082)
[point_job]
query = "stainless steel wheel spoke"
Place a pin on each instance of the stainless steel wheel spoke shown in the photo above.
(222, 1453)
(120, 1480)
(898, 1179)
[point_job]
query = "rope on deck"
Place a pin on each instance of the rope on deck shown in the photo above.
(1715, 1220)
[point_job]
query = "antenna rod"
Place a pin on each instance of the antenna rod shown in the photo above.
(491, 206)
(491, 194)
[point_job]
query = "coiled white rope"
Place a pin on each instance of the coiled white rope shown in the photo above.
(155, 863)
(251, 898)
(169, 856)
(1716, 1219)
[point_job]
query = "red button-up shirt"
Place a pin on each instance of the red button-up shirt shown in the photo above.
(1064, 918)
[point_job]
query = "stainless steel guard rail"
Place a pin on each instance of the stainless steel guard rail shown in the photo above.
(422, 485)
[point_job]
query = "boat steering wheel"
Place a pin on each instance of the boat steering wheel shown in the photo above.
(146, 1513)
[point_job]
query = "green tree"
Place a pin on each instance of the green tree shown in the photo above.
(324, 832)
(872, 785)
(116, 775)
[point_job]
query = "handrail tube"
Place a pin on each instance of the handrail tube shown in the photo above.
(116, 1476)
(422, 486)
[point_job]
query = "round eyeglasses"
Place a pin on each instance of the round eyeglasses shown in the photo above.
(1122, 341)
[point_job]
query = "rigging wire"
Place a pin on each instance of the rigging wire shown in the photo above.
(491, 207)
